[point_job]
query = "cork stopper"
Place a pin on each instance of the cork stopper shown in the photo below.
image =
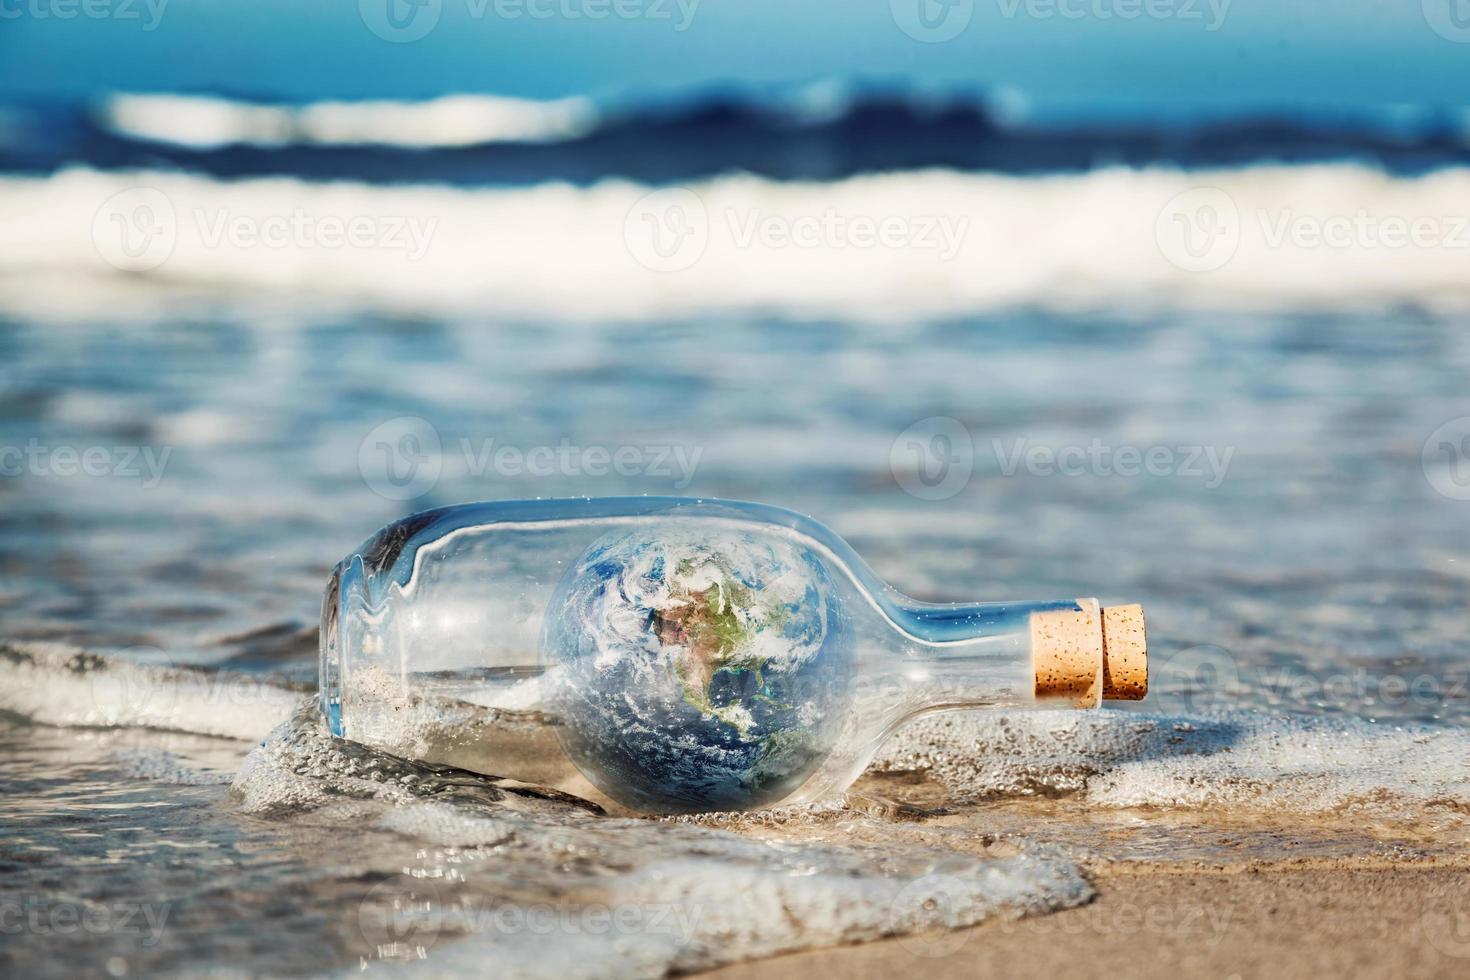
(1125, 654)
(1090, 654)
(1067, 654)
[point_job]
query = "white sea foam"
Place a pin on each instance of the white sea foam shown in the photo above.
(61, 685)
(557, 251)
(696, 913)
(163, 766)
(681, 897)
(448, 825)
(203, 122)
(1235, 760)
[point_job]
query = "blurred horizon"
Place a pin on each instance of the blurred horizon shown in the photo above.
(1066, 59)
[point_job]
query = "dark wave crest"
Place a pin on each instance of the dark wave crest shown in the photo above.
(484, 140)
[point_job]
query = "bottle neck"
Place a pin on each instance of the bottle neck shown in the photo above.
(964, 625)
(998, 654)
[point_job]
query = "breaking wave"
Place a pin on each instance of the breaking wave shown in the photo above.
(890, 247)
(827, 130)
(204, 122)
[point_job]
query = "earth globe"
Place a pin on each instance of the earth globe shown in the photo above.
(696, 666)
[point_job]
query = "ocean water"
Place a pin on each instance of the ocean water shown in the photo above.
(192, 440)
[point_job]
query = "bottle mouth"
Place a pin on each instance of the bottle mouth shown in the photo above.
(1091, 654)
(330, 652)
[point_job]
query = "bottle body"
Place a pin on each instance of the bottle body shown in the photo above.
(655, 654)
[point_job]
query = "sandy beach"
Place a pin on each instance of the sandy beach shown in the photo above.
(1323, 919)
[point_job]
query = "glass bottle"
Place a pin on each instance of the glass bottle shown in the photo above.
(667, 654)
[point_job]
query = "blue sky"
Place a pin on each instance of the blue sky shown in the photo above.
(1092, 55)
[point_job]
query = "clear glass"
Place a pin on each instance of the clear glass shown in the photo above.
(654, 654)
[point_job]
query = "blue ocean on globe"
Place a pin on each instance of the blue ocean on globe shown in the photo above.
(697, 669)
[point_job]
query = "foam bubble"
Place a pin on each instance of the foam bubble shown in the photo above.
(1232, 760)
(162, 766)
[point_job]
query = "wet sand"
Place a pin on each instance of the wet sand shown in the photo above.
(1305, 919)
